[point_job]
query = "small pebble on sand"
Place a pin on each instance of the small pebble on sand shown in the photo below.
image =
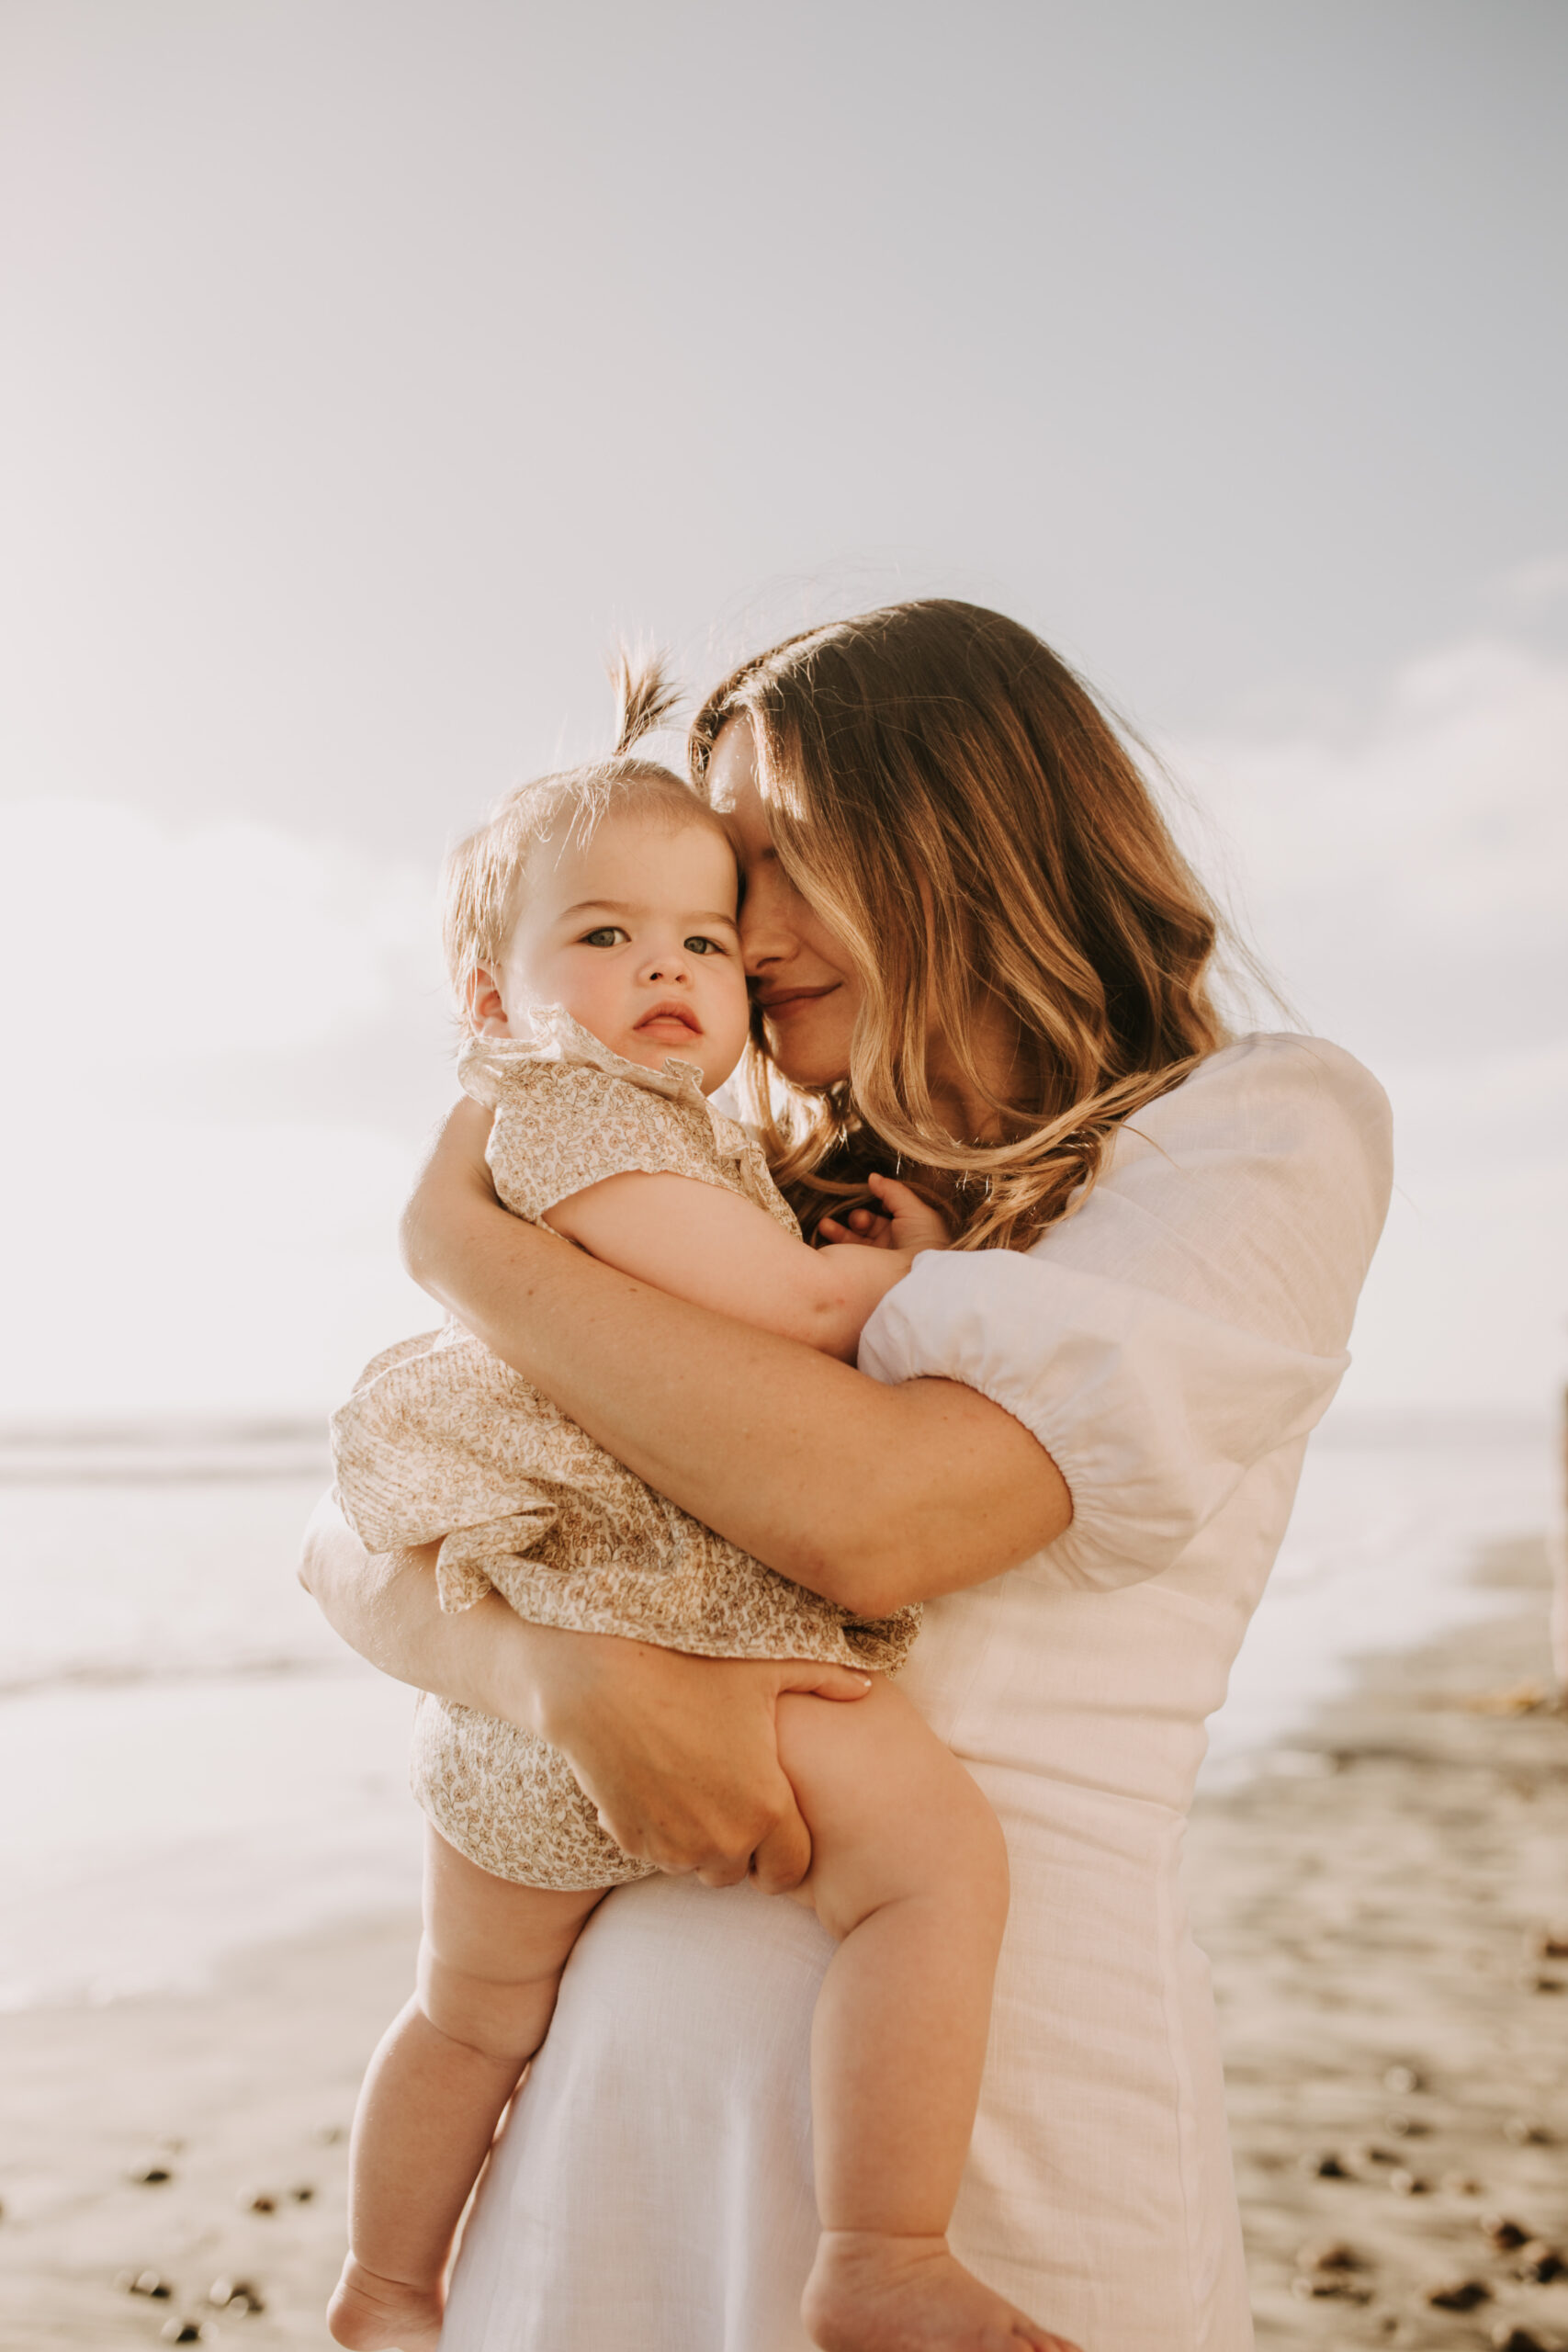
(1508, 2337)
(1504, 2234)
(1328, 2253)
(257, 2200)
(1539, 2264)
(150, 2176)
(143, 2282)
(1401, 2081)
(235, 2295)
(1525, 2132)
(1407, 2183)
(1325, 2286)
(1459, 2294)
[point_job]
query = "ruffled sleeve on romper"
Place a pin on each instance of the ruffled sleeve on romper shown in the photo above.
(576, 1113)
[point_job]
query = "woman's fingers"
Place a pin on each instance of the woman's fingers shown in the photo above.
(823, 1681)
(718, 1856)
(678, 1755)
(729, 1873)
(455, 1176)
(784, 1857)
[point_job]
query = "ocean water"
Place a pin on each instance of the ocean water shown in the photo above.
(192, 1763)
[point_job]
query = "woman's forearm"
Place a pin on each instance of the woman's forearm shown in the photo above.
(386, 1607)
(871, 1496)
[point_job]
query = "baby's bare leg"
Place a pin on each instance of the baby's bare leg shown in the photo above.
(909, 1871)
(490, 1965)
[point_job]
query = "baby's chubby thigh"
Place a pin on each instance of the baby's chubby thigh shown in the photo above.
(892, 1813)
(492, 1951)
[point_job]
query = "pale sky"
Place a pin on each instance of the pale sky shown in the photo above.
(373, 363)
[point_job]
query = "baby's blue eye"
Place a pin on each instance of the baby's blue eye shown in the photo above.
(605, 936)
(700, 946)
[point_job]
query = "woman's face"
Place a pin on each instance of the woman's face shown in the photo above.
(798, 971)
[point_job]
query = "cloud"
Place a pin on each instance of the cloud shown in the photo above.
(164, 1260)
(1531, 588)
(1419, 868)
(1407, 882)
(153, 945)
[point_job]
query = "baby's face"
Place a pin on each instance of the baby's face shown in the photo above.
(633, 932)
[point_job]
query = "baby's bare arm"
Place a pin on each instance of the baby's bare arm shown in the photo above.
(702, 1243)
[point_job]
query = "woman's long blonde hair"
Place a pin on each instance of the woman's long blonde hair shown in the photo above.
(951, 801)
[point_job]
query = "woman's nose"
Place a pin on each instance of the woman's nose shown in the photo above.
(767, 936)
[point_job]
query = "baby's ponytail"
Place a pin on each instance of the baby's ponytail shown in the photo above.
(645, 694)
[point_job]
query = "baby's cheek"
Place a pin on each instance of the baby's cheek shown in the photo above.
(726, 1017)
(593, 998)
(739, 1008)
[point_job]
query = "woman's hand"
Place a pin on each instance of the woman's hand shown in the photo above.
(679, 1754)
(454, 1183)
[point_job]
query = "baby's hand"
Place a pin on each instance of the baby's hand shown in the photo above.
(906, 1223)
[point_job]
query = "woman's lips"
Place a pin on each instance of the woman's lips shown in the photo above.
(788, 1000)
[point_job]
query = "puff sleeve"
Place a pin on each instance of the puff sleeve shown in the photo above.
(560, 1126)
(1191, 1318)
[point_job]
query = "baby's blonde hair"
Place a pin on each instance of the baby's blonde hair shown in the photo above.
(484, 876)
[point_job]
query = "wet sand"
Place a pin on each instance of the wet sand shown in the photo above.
(1380, 1908)
(1387, 1915)
(241, 2094)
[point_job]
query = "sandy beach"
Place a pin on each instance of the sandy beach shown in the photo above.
(157, 2150)
(1386, 1907)
(1386, 1910)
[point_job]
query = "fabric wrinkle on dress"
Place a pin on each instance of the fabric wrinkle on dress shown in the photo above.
(442, 1439)
(1172, 1343)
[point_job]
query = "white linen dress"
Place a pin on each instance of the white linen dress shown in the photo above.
(1171, 1345)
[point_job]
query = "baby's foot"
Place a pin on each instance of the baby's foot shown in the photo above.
(370, 2313)
(870, 2294)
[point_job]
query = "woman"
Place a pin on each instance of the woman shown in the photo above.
(977, 956)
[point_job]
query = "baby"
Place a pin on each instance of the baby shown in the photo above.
(591, 938)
